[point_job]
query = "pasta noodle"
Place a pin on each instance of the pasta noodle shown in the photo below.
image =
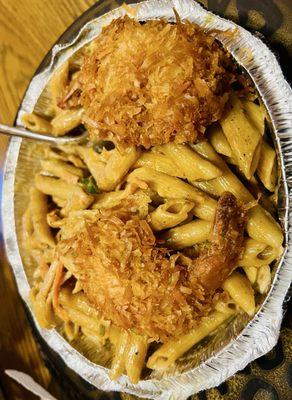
(251, 273)
(118, 364)
(63, 170)
(267, 167)
(65, 121)
(243, 137)
(261, 226)
(108, 175)
(36, 123)
(257, 254)
(240, 290)
(135, 357)
(173, 188)
(38, 203)
(255, 114)
(75, 197)
(192, 164)
(159, 162)
(169, 214)
(263, 281)
(186, 235)
(169, 352)
(219, 141)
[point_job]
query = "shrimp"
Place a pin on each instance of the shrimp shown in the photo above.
(213, 266)
(135, 282)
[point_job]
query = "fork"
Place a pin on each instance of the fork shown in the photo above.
(18, 131)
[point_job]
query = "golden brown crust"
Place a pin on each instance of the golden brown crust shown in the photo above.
(128, 279)
(138, 285)
(213, 266)
(151, 83)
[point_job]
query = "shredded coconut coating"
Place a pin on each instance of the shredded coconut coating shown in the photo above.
(130, 279)
(152, 83)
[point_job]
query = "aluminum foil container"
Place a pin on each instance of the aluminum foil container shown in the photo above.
(243, 340)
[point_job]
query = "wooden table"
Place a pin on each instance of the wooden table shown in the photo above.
(28, 29)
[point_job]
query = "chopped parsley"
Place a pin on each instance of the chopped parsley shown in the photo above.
(90, 185)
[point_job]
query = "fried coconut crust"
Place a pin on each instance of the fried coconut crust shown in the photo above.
(137, 284)
(152, 83)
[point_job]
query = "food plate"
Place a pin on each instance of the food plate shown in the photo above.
(241, 341)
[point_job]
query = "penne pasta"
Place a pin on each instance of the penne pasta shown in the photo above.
(160, 162)
(114, 334)
(227, 182)
(71, 330)
(260, 226)
(169, 214)
(59, 201)
(39, 205)
(239, 289)
(83, 319)
(118, 363)
(189, 234)
(255, 114)
(173, 188)
(117, 166)
(112, 199)
(36, 123)
(251, 273)
(93, 162)
(109, 174)
(63, 170)
(257, 254)
(219, 141)
(194, 166)
(243, 137)
(135, 356)
(65, 121)
(81, 313)
(264, 279)
(77, 301)
(267, 167)
(209, 187)
(76, 198)
(59, 154)
(109, 199)
(41, 300)
(169, 352)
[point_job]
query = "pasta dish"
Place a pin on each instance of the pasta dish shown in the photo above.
(162, 226)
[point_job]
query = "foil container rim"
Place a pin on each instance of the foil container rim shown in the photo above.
(266, 323)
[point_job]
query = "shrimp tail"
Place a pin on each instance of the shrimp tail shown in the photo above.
(213, 266)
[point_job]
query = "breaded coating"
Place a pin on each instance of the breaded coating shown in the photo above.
(152, 83)
(214, 265)
(135, 283)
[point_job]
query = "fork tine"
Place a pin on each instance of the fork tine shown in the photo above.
(26, 134)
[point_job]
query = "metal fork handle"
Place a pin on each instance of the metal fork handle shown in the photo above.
(26, 134)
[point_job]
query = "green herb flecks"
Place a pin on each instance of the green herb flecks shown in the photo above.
(90, 185)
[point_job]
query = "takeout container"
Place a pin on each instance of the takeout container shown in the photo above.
(243, 340)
